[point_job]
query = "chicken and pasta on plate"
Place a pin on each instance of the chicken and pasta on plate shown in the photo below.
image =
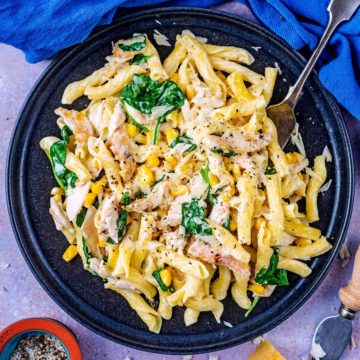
(173, 188)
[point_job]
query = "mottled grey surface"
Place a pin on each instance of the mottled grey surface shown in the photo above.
(21, 296)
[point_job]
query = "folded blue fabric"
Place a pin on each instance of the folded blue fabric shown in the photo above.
(301, 23)
(41, 28)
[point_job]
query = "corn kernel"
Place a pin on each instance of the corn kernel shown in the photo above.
(303, 242)
(57, 191)
(180, 190)
(102, 243)
(190, 92)
(172, 160)
(130, 129)
(152, 161)
(96, 188)
(141, 139)
(171, 134)
(213, 179)
(258, 289)
(236, 170)
(233, 225)
(293, 157)
(89, 199)
(70, 253)
(174, 77)
(146, 176)
(229, 194)
(166, 277)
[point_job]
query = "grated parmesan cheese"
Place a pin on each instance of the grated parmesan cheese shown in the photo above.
(187, 357)
(278, 67)
(213, 357)
(161, 39)
(312, 173)
(158, 22)
(228, 324)
(296, 139)
(256, 48)
(325, 187)
(200, 39)
(327, 154)
(258, 340)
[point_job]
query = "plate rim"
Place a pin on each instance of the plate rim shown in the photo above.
(220, 342)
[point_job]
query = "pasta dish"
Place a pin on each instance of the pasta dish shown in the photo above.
(172, 187)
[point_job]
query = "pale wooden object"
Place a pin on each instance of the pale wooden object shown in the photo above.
(350, 294)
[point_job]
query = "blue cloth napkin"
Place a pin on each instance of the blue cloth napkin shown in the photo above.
(41, 28)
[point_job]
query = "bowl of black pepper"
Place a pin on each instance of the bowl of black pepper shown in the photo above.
(38, 339)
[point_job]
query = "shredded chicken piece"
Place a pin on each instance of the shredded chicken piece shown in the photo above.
(215, 255)
(79, 124)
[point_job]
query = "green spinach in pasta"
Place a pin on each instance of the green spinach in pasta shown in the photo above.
(139, 59)
(135, 43)
(272, 275)
(193, 219)
(205, 174)
(184, 139)
(147, 95)
(57, 157)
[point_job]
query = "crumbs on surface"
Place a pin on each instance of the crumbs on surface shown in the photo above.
(344, 255)
(40, 347)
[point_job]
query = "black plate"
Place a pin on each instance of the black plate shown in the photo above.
(29, 181)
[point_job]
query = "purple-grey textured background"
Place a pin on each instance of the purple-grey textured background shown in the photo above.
(21, 296)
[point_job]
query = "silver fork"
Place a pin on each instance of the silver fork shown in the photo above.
(282, 114)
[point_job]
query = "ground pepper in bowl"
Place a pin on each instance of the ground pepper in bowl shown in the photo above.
(39, 347)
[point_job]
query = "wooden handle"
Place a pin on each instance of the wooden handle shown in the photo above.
(350, 294)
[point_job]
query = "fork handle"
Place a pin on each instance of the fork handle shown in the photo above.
(350, 294)
(339, 11)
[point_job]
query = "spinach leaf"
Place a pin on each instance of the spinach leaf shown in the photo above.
(57, 157)
(142, 128)
(81, 217)
(86, 251)
(126, 198)
(121, 223)
(110, 241)
(226, 224)
(96, 203)
(145, 94)
(105, 259)
(139, 194)
(70, 178)
(253, 304)
(157, 277)
(65, 133)
(205, 175)
(136, 43)
(270, 169)
(222, 152)
(158, 181)
(272, 275)
(184, 139)
(139, 59)
(193, 219)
